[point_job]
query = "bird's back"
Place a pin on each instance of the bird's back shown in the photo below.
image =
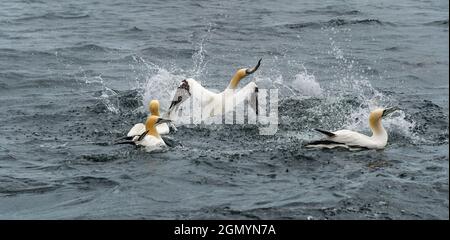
(136, 130)
(352, 138)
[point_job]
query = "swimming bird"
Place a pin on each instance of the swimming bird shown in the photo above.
(139, 128)
(150, 138)
(354, 140)
(212, 103)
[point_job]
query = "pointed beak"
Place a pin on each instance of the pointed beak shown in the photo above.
(390, 110)
(163, 120)
(249, 71)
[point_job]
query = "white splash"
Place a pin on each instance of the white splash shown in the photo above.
(303, 84)
(306, 84)
(198, 58)
(161, 86)
(108, 96)
(161, 81)
(110, 100)
(351, 81)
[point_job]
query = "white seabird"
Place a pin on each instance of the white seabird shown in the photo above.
(354, 140)
(139, 128)
(212, 103)
(150, 138)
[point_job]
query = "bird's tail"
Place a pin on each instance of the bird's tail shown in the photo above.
(322, 143)
(328, 133)
(123, 140)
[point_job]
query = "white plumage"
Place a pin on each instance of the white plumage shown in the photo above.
(147, 135)
(152, 143)
(355, 140)
(212, 103)
(139, 128)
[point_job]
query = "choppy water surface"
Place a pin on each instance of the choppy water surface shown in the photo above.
(75, 75)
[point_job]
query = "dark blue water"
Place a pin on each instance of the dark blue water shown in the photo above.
(75, 75)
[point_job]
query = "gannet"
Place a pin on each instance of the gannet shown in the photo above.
(154, 110)
(150, 138)
(353, 140)
(212, 103)
(139, 128)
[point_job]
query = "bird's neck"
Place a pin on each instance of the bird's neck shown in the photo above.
(236, 79)
(153, 132)
(377, 129)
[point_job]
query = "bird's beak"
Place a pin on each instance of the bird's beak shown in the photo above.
(249, 71)
(390, 110)
(163, 120)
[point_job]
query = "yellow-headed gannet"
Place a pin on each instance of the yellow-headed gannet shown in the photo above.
(150, 138)
(154, 110)
(211, 102)
(139, 128)
(353, 140)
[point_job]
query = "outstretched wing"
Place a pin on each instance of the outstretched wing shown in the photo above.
(248, 92)
(171, 142)
(181, 95)
(136, 130)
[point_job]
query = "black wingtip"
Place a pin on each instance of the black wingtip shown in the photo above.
(328, 133)
(142, 135)
(321, 142)
(124, 142)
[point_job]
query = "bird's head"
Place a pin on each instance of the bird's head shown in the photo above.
(241, 73)
(377, 114)
(153, 107)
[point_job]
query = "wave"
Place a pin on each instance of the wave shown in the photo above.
(394, 49)
(12, 186)
(90, 183)
(337, 23)
(55, 16)
(13, 75)
(443, 23)
(332, 12)
(100, 158)
(86, 47)
(115, 101)
(132, 30)
(167, 52)
(8, 52)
